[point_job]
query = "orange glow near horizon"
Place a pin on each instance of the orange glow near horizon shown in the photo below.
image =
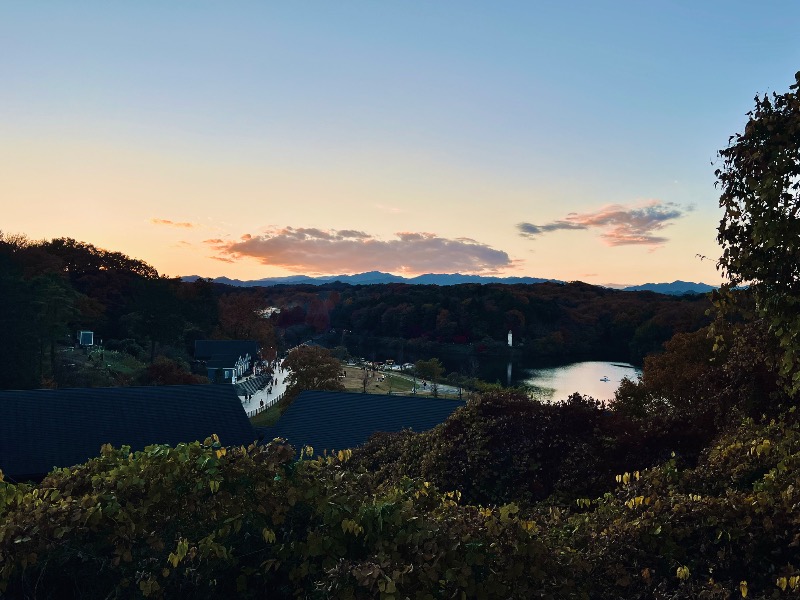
(571, 144)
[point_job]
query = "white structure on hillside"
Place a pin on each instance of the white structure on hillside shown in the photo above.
(85, 338)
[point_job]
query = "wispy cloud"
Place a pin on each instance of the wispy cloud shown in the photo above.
(619, 225)
(172, 223)
(310, 250)
(531, 230)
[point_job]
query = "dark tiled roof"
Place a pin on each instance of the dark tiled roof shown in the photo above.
(40, 429)
(222, 362)
(340, 420)
(205, 349)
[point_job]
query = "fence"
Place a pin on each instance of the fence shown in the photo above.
(267, 404)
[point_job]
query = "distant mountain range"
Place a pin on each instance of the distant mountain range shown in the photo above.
(375, 277)
(675, 288)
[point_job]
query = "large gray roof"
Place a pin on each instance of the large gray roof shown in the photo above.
(340, 420)
(42, 429)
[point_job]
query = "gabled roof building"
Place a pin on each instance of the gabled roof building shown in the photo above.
(226, 361)
(42, 429)
(341, 420)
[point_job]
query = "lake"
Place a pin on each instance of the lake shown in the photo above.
(587, 378)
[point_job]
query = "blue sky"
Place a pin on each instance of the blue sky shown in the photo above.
(253, 139)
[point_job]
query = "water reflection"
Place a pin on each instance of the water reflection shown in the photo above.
(597, 379)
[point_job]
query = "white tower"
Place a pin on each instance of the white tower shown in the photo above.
(509, 338)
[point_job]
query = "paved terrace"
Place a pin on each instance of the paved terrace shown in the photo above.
(253, 405)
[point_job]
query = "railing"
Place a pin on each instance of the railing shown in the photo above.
(269, 403)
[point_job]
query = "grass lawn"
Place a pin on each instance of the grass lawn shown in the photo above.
(391, 383)
(98, 368)
(121, 362)
(268, 418)
(353, 382)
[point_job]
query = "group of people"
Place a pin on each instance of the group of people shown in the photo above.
(269, 368)
(249, 397)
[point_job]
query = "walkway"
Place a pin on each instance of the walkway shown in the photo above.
(253, 406)
(444, 388)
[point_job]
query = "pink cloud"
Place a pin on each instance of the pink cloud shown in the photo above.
(310, 250)
(619, 225)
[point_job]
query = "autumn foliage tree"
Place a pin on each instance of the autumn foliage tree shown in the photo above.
(79, 258)
(431, 370)
(691, 392)
(157, 315)
(21, 358)
(241, 318)
(760, 229)
(312, 368)
(165, 371)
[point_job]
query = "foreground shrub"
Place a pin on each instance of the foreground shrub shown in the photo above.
(705, 381)
(202, 521)
(505, 447)
(726, 529)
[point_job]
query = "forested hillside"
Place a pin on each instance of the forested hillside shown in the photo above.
(147, 323)
(51, 289)
(550, 322)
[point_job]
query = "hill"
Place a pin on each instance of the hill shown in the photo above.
(676, 288)
(373, 277)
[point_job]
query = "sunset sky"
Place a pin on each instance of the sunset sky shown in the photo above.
(567, 140)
